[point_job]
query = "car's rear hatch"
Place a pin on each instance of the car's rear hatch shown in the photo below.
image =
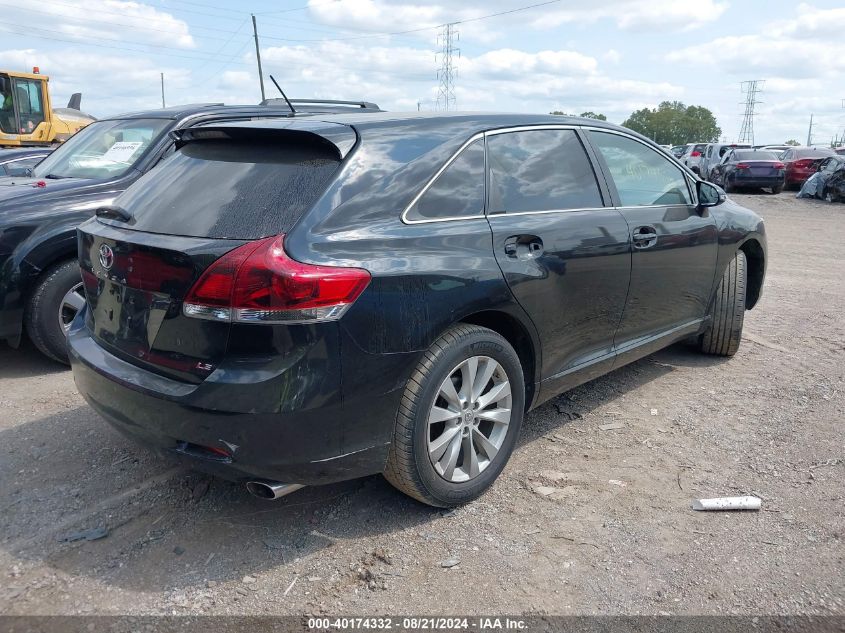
(226, 187)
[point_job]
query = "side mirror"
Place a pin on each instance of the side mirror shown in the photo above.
(709, 195)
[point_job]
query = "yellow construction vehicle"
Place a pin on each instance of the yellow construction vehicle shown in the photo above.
(26, 114)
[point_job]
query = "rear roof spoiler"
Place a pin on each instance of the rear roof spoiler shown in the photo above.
(339, 138)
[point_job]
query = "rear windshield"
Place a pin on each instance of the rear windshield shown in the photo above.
(755, 155)
(814, 153)
(230, 189)
(699, 148)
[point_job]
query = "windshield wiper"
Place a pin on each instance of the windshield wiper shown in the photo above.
(114, 212)
(54, 176)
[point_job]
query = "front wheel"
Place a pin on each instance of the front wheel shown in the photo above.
(55, 302)
(725, 333)
(459, 418)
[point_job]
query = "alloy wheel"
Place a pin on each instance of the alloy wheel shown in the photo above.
(72, 303)
(469, 419)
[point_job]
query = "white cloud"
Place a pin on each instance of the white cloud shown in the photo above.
(97, 20)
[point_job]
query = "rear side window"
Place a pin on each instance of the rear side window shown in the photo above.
(540, 170)
(230, 189)
(458, 192)
(643, 176)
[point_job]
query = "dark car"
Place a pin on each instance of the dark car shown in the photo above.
(832, 172)
(801, 163)
(40, 286)
(292, 303)
(18, 162)
(749, 168)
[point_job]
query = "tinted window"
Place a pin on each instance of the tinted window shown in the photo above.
(229, 189)
(540, 170)
(642, 175)
(21, 167)
(458, 192)
(747, 155)
(699, 148)
(814, 153)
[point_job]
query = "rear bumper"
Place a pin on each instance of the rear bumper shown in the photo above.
(797, 177)
(315, 444)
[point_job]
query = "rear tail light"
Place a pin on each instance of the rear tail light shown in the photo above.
(259, 283)
(695, 154)
(742, 165)
(778, 165)
(804, 163)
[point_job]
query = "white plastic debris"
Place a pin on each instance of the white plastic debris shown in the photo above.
(727, 503)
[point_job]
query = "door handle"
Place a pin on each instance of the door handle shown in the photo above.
(644, 236)
(523, 246)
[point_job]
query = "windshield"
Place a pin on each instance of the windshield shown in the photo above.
(104, 149)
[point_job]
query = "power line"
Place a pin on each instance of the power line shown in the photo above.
(424, 28)
(446, 99)
(751, 89)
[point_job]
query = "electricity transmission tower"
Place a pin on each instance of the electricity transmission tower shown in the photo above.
(750, 89)
(447, 72)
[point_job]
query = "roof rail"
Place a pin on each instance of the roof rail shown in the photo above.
(365, 105)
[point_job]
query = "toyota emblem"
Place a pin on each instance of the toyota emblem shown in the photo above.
(106, 256)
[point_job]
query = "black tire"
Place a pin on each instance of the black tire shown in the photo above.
(728, 186)
(725, 333)
(776, 190)
(42, 320)
(408, 466)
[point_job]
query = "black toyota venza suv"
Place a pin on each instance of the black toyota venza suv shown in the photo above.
(293, 302)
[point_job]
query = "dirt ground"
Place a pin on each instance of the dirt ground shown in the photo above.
(617, 537)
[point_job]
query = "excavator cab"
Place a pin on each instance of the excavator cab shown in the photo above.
(26, 114)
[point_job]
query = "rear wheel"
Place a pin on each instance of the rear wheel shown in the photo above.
(728, 186)
(459, 418)
(57, 299)
(725, 333)
(777, 189)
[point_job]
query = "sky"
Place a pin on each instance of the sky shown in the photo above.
(608, 56)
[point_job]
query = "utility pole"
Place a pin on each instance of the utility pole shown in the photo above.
(810, 132)
(258, 56)
(162, 91)
(446, 99)
(750, 89)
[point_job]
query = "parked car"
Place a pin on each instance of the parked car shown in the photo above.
(749, 168)
(299, 302)
(692, 156)
(830, 168)
(40, 286)
(840, 151)
(713, 154)
(678, 150)
(833, 189)
(801, 163)
(18, 162)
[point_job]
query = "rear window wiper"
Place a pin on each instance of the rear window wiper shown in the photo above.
(113, 212)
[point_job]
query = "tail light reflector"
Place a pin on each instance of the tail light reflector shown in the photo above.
(259, 283)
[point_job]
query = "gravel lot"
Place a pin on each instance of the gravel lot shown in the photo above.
(617, 537)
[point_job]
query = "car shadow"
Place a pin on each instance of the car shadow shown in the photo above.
(26, 362)
(168, 528)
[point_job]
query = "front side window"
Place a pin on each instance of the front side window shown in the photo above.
(540, 170)
(21, 167)
(458, 192)
(104, 149)
(643, 176)
(30, 105)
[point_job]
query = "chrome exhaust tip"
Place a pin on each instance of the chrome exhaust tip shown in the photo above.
(271, 489)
